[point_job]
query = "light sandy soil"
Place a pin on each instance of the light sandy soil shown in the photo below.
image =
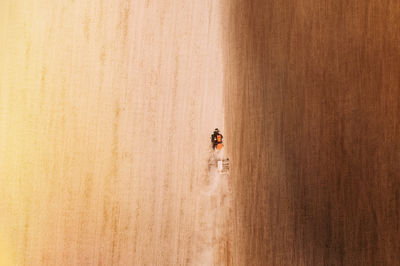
(106, 113)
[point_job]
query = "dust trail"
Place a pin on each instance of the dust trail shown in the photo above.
(213, 204)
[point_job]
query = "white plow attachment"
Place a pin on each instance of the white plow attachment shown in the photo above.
(222, 165)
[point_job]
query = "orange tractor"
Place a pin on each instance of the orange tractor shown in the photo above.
(217, 157)
(216, 140)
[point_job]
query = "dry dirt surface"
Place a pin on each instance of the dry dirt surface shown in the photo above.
(106, 112)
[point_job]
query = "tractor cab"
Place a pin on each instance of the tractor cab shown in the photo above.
(216, 140)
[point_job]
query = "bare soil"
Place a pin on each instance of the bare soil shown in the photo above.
(106, 111)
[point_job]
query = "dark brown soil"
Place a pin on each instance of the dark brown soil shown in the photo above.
(312, 124)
